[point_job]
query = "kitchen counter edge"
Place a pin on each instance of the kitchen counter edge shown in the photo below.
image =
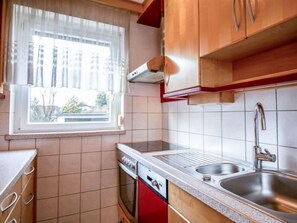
(227, 205)
(12, 166)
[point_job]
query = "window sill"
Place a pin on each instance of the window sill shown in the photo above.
(47, 135)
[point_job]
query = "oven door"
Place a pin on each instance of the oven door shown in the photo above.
(128, 192)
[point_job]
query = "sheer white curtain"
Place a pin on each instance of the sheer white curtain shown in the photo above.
(69, 43)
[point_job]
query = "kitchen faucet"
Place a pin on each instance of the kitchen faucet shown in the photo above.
(258, 155)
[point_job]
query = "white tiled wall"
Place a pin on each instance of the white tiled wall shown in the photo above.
(228, 130)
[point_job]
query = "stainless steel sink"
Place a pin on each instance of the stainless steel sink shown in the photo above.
(271, 191)
(219, 169)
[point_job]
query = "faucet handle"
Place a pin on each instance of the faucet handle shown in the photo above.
(272, 156)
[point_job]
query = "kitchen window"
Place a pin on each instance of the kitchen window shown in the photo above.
(67, 72)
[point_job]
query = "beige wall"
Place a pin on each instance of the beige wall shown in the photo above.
(77, 176)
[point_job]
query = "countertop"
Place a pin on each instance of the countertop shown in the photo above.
(12, 166)
(220, 201)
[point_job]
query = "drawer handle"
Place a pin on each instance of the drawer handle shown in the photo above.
(251, 13)
(11, 204)
(13, 221)
(30, 200)
(234, 16)
(30, 172)
(167, 77)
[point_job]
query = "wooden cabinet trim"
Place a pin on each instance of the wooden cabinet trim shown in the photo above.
(193, 209)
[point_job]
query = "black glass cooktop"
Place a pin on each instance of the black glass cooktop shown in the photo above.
(153, 146)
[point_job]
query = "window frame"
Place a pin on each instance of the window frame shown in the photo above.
(22, 101)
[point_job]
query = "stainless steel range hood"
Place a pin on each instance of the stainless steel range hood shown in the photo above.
(149, 72)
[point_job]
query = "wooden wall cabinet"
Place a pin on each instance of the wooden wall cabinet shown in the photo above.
(263, 49)
(184, 72)
(191, 208)
(221, 23)
(224, 23)
(262, 14)
(23, 208)
(181, 44)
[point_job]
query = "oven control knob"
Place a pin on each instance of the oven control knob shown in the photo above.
(155, 183)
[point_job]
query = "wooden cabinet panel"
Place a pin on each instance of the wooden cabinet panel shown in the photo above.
(181, 44)
(2, 36)
(11, 199)
(221, 23)
(268, 13)
(28, 174)
(193, 209)
(28, 202)
(15, 215)
(175, 217)
(21, 199)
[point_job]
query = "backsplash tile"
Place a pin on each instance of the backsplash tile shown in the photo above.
(70, 164)
(233, 125)
(196, 123)
(234, 149)
(70, 145)
(69, 184)
(90, 201)
(286, 98)
(228, 130)
(287, 158)
(69, 205)
(287, 122)
(48, 147)
(183, 124)
(266, 97)
(47, 187)
(47, 209)
(212, 122)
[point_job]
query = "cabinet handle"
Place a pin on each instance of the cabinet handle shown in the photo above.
(251, 13)
(234, 16)
(11, 204)
(30, 200)
(167, 77)
(31, 171)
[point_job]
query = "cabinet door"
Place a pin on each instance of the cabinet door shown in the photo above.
(175, 217)
(151, 208)
(193, 209)
(221, 23)
(267, 13)
(181, 44)
(15, 215)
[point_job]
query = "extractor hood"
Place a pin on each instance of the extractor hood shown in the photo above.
(149, 72)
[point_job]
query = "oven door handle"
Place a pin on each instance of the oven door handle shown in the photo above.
(129, 172)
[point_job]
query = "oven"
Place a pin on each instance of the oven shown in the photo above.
(127, 187)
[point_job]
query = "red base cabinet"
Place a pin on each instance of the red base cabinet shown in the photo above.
(151, 208)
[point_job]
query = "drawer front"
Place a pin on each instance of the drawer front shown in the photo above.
(10, 200)
(28, 174)
(15, 214)
(28, 202)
